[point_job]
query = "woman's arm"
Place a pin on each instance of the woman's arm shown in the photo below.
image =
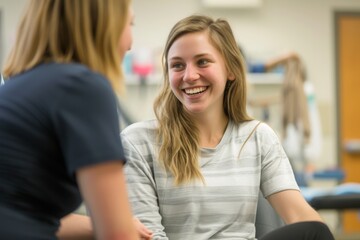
(104, 191)
(142, 190)
(75, 227)
(281, 60)
(79, 227)
(292, 207)
(278, 183)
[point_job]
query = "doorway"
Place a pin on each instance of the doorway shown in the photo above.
(347, 35)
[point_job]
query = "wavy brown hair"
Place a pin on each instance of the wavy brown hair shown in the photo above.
(177, 134)
(83, 31)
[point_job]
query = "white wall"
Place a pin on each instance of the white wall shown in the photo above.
(11, 11)
(305, 26)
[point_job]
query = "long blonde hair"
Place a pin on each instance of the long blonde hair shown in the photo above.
(177, 134)
(84, 31)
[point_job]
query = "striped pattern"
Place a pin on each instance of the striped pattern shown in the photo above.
(223, 208)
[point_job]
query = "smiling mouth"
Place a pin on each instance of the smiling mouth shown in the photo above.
(193, 91)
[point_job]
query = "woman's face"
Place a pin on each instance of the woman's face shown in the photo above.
(197, 74)
(125, 41)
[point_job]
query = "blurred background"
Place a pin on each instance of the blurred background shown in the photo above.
(325, 34)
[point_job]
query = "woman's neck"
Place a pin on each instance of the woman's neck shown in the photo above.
(211, 131)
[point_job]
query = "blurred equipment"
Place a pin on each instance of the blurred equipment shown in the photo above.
(143, 64)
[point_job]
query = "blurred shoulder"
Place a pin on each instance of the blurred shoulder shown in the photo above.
(79, 72)
(65, 78)
(141, 130)
(257, 127)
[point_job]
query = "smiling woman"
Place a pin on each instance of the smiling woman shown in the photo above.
(197, 73)
(197, 170)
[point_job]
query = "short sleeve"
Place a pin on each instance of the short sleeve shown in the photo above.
(86, 121)
(276, 171)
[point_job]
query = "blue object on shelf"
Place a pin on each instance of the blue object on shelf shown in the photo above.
(347, 188)
(344, 189)
(335, 174)
(256, 68)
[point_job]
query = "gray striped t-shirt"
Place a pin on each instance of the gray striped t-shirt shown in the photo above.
(223, 208)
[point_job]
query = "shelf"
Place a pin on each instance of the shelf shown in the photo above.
(265, 78)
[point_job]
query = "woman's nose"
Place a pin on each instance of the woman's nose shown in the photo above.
(191, 73)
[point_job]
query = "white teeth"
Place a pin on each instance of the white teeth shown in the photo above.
(195, 90)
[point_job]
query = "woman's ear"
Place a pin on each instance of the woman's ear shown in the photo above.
(231, 76)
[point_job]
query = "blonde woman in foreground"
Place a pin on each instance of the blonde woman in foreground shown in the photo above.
(59, 129)
(196, 171)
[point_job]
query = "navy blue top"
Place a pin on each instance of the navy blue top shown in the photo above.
(54, 119)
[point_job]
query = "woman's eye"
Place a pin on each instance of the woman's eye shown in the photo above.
(202, 62)
(176, 65)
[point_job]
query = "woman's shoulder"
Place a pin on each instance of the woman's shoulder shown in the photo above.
(249, 126)
(54, 73)
(144, 129)
(63, 79)
(260, 128)
(64, 68)
(79, 72)
(84, 82)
